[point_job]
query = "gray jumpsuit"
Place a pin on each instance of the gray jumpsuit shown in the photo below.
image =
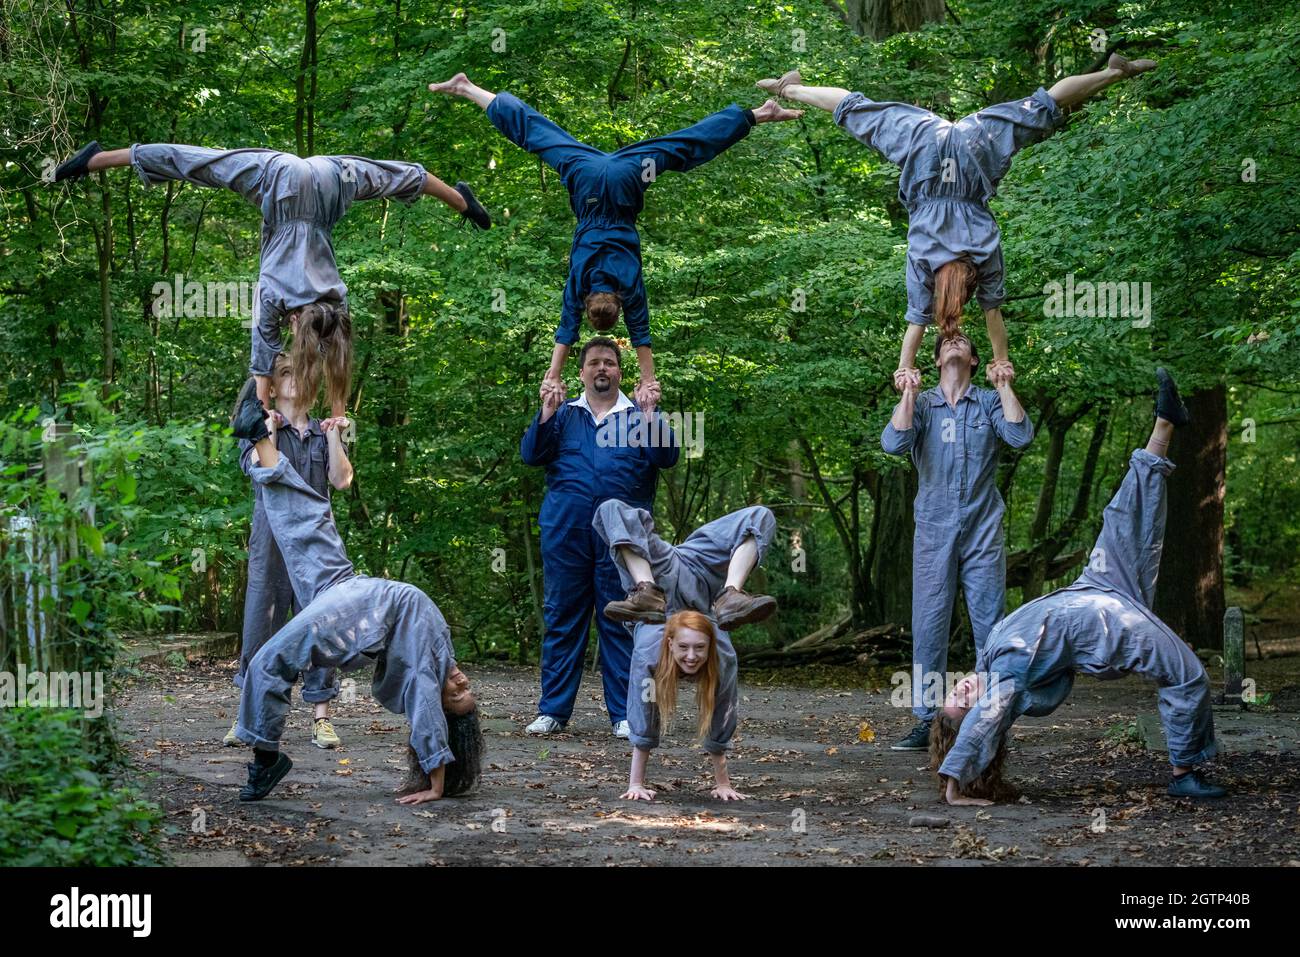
(269, 596)
(347, 620)
(692, 576)
(958, 510)
(1102, 625)
(301, 201)
(948, 172)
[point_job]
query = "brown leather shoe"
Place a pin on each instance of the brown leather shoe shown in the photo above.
(778, 86)
(645, 602)
(735, 607)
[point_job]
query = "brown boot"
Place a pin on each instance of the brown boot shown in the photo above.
(735, 607)
(778, 86)
(1129, 67)
(645, 602)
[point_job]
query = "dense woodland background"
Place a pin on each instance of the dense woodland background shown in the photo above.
(1185, 179)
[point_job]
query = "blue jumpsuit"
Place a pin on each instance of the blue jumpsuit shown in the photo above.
(301, 202)
(269, 596)
(948, 172)
(347, 621)
(1102, 625)
(606, 193)
(582, 470)
(958, 511)
(692, 576)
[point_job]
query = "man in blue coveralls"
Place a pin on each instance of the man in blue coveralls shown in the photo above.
(594, 448)
(606, 194)
(954, 433)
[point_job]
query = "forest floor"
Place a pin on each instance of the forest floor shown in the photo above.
(821, 791)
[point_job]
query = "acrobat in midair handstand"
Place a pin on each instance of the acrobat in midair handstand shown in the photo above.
(606, 193)
(948, 172)
(301, 201)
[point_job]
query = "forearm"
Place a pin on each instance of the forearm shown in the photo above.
(559, 355)
(911, 345)
(1012, 410)
(720, 776)
(997, 330)
(904, 412)
(645, 359)
(340, 465)
(639, 758)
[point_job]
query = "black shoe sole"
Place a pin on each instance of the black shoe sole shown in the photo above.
(474, 210)
(249, 388)
(278, 771)
(73, 168)
(1165, 383)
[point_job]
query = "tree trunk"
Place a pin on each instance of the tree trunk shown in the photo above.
(892, 530)
(304, 118)
(1189, 596)
(880, 19)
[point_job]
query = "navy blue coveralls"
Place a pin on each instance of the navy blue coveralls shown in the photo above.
(587, 464)
(606, 193)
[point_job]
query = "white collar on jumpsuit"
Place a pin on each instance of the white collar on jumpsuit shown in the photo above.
(622, 403)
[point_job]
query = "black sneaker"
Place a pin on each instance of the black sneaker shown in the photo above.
(250, 421)
(1169, 405)
(249, 388)
(1193, 785)
(262, 780)
(74, 167)
(474, 210)
(918, 739)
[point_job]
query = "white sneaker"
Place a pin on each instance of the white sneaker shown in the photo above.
(544, 724)
(622, 730)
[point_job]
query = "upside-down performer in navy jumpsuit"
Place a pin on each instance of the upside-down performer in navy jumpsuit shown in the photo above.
(606, 194)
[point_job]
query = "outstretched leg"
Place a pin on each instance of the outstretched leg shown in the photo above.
(1126, 557)
(1073, 90)
(524, 126)
(695, 145)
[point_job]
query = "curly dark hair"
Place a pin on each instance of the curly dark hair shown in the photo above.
(990, 784)
(465, 738)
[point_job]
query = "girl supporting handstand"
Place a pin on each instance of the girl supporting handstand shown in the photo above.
(348, 621)
(301, 201)
(707, 571)
(1102, 625)
(606, 193)
(316, 452)
(948, 172)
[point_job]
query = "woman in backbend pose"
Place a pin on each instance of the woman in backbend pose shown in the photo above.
(948, 172)
(347, 621)
(1102, 625)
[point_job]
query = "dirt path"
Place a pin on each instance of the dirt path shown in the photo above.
(820, 795)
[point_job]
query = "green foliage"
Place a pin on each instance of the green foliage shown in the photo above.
(55, 810)
(1145, 184)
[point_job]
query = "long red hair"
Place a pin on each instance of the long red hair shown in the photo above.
(666, 674)
(954, 284)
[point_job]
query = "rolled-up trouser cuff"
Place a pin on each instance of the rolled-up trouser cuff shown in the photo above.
(427, 765)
